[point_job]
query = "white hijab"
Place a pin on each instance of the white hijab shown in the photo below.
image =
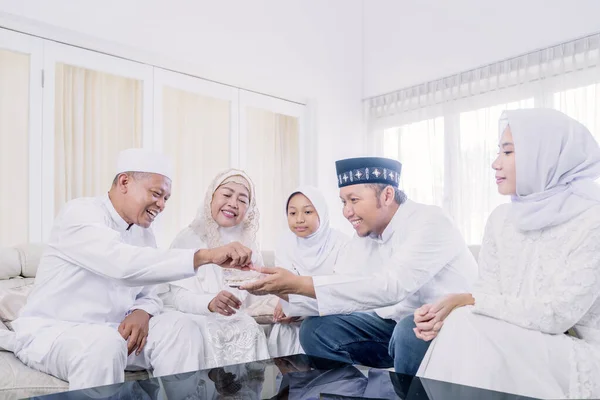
(557, 161)
(207, 228)
(204, 233)
(307, 255)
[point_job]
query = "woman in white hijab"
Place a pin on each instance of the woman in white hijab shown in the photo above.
(309, 247)
(228, 214)
(539, 272)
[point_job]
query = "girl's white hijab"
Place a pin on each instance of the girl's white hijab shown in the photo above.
(207, 228)
(307, 254)
(557, 161)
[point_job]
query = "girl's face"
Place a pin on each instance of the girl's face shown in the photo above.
(302, 216)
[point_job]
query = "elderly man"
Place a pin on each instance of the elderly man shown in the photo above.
(403, 255)
(93, 311)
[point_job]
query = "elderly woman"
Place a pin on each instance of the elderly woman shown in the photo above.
(228, 214)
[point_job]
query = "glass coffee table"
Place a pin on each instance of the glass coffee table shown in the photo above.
(297, 377)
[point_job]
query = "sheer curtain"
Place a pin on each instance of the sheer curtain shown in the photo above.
(583, 104)
(14, 150)
(196, 136)
(96, 116)
(420, 147)
(272, 156)
(565, 77)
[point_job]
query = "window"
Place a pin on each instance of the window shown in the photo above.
(582, 104)
(20, 138)
(14, 146)
(420, 149)
(94, 106)
(96, 116)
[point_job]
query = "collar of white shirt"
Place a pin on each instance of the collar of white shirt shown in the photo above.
(121, 224)
(402, 213)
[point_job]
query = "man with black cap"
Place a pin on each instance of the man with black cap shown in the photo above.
(403, 255)
(94, 310)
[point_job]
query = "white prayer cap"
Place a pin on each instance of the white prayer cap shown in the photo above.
(143, 160)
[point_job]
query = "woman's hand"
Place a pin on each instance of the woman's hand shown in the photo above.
(224, 303)
(429, 318)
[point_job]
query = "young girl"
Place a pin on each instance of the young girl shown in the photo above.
(310, 247)
(228, 215)
(539, 272)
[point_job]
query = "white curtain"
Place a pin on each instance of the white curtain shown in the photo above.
(196, 136)
(406, 124)
(96, 116)
(420, 146)
(14, 148)
(272, 156)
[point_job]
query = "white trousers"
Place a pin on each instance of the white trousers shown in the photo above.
(89, 355)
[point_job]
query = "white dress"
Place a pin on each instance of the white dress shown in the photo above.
(227, 340)
(533, 287)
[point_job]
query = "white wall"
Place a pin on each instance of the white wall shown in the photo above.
(410, 42)
(305, 50)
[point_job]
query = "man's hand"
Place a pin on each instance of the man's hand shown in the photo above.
(224, 303)
(134, 329)
(232, 255)
(280, 282)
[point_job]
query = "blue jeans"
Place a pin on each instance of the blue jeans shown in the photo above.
(365, 339)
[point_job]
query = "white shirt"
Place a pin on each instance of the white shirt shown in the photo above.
(94, 270)
(419, 258)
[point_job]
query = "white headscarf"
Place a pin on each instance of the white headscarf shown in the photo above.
(307, 255)
(207, 228)
(557, 161)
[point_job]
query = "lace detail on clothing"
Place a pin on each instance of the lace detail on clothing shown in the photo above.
(585, 362)
(550, 282)
(549, 279)
(233, 340)
(489, 267)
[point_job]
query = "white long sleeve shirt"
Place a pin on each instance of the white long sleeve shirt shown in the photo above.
(419, 258)
(95, 270)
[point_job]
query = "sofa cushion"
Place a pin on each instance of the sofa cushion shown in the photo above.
(18, 380)
(21, 260)
(30, 254)
(10, 263)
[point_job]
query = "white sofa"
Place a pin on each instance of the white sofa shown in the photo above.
(18, 266)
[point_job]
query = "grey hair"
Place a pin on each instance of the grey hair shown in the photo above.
(399, 196)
